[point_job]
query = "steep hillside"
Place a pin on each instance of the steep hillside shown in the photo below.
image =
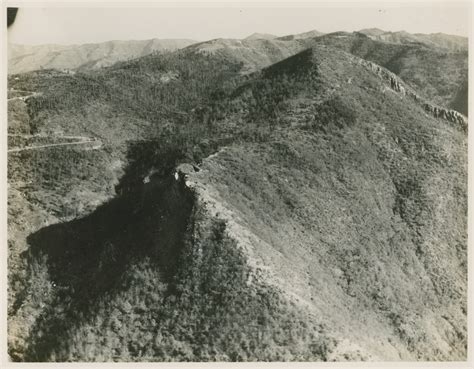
(26, 58)
(436, 74)
(311, 210)
(65, 182)
(353, 209)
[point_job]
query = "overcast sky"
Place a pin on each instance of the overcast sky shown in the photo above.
(88, 25)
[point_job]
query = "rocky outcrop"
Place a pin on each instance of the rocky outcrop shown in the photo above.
(450, 115)
(398, 86)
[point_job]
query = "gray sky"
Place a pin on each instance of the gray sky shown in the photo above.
(88, 25)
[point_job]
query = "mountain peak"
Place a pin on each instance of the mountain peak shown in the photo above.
(258, 36)
(300, 36)
(372, 31)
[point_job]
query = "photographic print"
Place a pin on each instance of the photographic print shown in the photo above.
(234, 182)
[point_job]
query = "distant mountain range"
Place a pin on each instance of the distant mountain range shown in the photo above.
(25, 58)
(442, 40)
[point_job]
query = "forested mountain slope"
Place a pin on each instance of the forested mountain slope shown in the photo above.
(307, 211)
(436, 73)
(435, 64)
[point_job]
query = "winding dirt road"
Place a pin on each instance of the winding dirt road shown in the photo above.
(80, 141)
(18, 149)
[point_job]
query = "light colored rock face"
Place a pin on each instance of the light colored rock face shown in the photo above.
(396, 84)
(169, 76)
(449, 115)
(185, 169)
(184, 172)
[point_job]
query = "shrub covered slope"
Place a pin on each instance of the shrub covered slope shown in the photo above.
(436, 73)
(324, 217)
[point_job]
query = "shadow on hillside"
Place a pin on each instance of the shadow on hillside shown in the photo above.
(86, 257)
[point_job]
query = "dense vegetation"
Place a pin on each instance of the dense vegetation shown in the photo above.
(357, 186)
(56, 178)
(336, 184)
(436, 74)
(207, 312)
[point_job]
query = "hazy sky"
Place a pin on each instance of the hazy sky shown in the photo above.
(87, 25)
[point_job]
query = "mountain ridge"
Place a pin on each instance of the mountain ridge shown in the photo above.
(306, 199)
(257, 35)
(439, 83)
(24, 58)
(439, 39)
